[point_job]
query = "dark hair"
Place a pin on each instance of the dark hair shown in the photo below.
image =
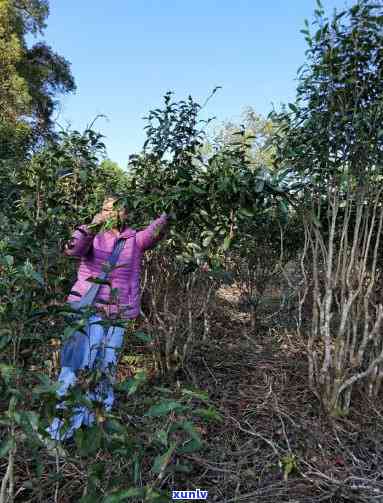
(114, 195)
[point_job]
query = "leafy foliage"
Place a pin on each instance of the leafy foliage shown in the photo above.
(30, 77)
(332, 137)
(221, 203)
(334, 127)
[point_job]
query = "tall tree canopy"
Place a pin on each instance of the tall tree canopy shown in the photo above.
(30, 77)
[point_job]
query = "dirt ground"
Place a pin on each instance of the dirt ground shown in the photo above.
(274, 443)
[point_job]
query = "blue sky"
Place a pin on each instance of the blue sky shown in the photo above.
(126, 54)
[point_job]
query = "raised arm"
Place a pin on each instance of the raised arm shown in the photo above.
(153, 233)
(80, 242)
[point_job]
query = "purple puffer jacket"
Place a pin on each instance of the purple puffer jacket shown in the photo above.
(94, 251)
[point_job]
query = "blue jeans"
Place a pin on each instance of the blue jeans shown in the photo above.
(101, 352)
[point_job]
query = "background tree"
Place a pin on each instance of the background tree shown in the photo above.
(334, 141)
(30, 77)
(258, 132)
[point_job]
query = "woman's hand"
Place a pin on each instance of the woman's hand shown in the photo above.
(101, 217)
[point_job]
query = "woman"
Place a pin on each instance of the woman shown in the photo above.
(94, 250)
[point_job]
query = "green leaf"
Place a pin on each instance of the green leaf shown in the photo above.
(180, 468)
(88, 441)
(37, 276)
(163, 460)
(246, 212)
(201, 395)
(226, 243)
(191, 446)
(283, 208)
(29, 421)
(68, 332)
(163, 390)
(134, 492)
(210, 414)
(99, 281)
(189, 428)
(4, 341)
(7, 372)
(42, 389)
(315, 220)
(163, 408)
(83, 175)
(6, 446)
(9, 260)
(288, 464)
(114, 426)
(131, 385)
(206, 242)
(194, 246)
(162, 436)
(197, 190)
(89, 498)
(259, 185)
(136, 468)
(142, 336)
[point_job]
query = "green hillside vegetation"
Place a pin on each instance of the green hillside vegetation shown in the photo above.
(255, 369)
